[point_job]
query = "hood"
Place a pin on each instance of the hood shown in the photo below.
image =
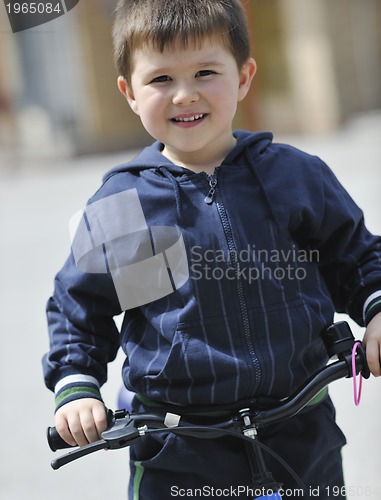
(151, 157)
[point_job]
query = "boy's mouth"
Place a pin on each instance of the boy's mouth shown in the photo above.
(189, 118)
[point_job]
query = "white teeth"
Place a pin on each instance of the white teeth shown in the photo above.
(190, 119)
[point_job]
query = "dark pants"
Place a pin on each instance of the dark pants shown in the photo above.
(169, 466)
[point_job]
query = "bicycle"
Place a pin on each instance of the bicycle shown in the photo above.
(125, 427)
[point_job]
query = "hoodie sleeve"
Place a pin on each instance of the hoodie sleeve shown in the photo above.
(83, 335)
(349, 255)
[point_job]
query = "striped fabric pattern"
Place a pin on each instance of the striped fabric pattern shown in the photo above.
(237, 329)
(372, 307)
(76, 387)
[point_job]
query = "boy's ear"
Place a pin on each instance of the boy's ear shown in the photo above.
(128, 94)
(247, 74)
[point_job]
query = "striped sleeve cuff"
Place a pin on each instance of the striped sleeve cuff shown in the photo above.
(76, 387)
(372, 307)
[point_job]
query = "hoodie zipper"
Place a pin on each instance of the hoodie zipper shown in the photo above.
(213, 189)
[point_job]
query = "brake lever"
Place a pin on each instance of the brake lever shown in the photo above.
(78, 453)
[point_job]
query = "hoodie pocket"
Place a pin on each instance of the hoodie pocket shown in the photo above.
(205, 364)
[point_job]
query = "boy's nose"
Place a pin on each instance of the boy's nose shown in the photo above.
(185, 94)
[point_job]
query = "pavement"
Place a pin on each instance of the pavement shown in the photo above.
(36, 201)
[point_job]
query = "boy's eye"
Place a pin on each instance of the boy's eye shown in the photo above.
(161, 79)
(205, 72)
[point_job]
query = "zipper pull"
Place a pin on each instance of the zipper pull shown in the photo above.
(210, 196)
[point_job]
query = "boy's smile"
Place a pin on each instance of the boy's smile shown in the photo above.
(188, 120)
(187, 98)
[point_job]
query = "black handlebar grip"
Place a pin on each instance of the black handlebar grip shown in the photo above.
(55, 441)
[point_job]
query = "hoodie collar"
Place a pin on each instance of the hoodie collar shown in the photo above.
(151, 157)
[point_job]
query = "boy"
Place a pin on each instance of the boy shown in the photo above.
(273, 246)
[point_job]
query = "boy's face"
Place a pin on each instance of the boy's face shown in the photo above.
(187, 98)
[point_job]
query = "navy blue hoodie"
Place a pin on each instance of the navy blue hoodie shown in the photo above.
(274, 245)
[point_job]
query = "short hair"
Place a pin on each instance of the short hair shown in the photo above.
(164, 24)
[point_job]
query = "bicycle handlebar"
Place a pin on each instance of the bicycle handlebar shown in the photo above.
(125, 428)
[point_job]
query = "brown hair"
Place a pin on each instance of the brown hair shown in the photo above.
(169, 23)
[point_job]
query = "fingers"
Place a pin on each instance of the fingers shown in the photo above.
(81, 422)
(373, 356)
(372, 343)
(63, 429)
(82, 427)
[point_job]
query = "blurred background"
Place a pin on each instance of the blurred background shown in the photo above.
(318, 66)
(63, 123)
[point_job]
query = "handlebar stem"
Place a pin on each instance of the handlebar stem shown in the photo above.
(249, 429)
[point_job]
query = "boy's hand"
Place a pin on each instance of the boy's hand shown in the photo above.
(81, 422)
(372, 344)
